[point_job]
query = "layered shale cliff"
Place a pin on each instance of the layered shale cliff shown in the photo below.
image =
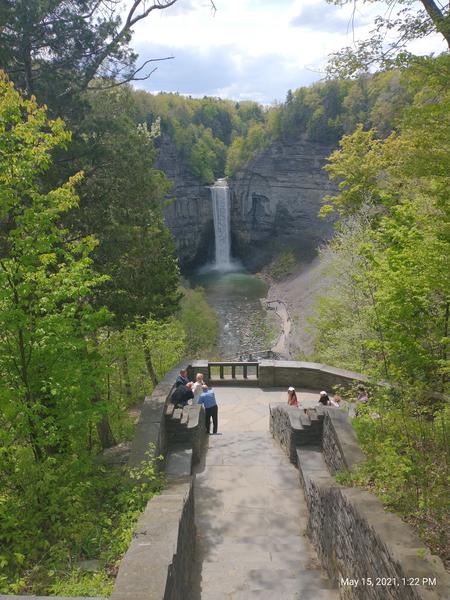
(275, 201)
(189, 212)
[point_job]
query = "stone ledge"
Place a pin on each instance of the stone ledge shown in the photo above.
(8, 597)
(150, 429)
(357, 538)
(159, 561)
(275, 373)
(339, 444)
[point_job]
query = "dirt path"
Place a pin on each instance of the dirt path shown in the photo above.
(295, 300)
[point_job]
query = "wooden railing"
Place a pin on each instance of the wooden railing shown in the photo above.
(233, 371)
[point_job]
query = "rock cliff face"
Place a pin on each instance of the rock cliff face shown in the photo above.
(189, 212)
(275, 200)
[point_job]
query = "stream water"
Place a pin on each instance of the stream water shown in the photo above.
(236, 298)
(230, 290)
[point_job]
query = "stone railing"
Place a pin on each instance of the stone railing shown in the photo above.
(275, 373)
(159, 563)
(369, 552)
(306, 375)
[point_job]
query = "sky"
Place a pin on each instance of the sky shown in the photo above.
(249, 49)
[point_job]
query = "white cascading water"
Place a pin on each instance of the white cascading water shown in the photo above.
(221, 212)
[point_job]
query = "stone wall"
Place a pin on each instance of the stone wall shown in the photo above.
(150, 430)
(293, 427)
(159, 563)
(306, 375)
(369, 552)
(340, 447)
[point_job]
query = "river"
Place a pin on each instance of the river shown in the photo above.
(235, 296)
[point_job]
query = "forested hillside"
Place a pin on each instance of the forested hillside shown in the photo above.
(386, 312)
(92, 311)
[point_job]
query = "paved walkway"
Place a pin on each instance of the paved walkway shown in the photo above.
(250, 511)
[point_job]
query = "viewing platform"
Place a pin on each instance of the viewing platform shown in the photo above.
(255, 512)
(251, 515)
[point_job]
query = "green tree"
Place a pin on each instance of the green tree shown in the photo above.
(387, 42)
(46, 282)
(399, 187)
(55, 48)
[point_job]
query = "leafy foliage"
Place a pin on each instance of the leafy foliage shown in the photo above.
(46, 283)
(387, 44)
(386, 312)
(55, 48)
(202, 129)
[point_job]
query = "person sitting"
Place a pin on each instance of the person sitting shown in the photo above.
(182, 394)
(292, 397)
(324, 398)
(182, 378)
(361, 398)
(208, 399)
(362, 395)
(335, 402)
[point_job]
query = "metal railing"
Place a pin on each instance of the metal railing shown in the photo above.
(233, 370)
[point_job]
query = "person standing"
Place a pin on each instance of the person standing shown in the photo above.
(208, 399)
(292, 397)
(197, 388)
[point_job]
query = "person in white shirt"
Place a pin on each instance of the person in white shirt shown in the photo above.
(197, 388)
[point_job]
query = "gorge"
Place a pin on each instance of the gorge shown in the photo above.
(274, 201)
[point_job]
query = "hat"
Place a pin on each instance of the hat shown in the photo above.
(291, 389)
(323, 393)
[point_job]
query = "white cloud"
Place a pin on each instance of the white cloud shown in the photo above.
(247, 48)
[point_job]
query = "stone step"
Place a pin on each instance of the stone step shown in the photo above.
(177, 414)
(169, 409)
(279, 583)
(194, 414)
(185, 416)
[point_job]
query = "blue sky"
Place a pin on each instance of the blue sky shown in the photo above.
(249, 49)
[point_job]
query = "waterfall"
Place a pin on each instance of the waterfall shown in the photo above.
(221, 212)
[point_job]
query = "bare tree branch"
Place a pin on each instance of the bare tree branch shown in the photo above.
(132, 76)
(133, 17)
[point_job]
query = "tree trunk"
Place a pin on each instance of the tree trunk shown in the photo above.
(149, 363)
(105, 434)
(439, 18)
(126, 377)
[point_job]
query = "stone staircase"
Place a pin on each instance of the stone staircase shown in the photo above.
(185, 435)
(294, 427)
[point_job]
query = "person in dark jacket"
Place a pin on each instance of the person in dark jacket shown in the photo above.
(324, 399)
(182, 378)
(182, 394)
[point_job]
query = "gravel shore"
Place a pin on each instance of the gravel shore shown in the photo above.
(298, 294)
